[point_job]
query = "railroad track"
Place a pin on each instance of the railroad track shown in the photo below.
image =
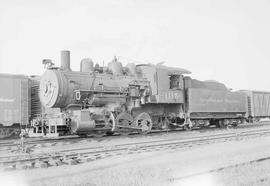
(14, 145)
(64, 140)
(222, 168)
(75, 138)
(87, 154)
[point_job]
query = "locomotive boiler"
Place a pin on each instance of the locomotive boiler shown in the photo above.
(133, 98)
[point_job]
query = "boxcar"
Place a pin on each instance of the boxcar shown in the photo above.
(258, 104)
(14, 103)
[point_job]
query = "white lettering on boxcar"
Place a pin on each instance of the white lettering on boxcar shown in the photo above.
(7, 115)
(6, 100)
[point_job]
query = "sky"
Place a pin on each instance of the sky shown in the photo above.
(227, 41)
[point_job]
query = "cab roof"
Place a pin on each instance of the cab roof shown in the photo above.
(171, 70)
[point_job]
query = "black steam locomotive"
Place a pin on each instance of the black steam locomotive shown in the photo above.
(137, 98)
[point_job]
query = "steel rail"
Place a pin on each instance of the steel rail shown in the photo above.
(32, 141)
(85, 154)
(222, 168)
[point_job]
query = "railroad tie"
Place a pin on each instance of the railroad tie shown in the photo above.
(72, 161)
(41, 164)
(87, 159)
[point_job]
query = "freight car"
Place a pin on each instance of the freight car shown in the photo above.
(14, 104)
(134, 98)
(258, 103)
(19, 103)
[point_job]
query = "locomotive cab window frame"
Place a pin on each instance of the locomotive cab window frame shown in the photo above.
(176, 81)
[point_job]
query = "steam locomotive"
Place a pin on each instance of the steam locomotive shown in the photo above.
(140, 98)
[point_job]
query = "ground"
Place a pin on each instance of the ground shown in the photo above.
(166, 167)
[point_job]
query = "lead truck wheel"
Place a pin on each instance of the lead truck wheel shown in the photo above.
(187, 128)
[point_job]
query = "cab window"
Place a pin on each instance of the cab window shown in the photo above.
(176, 82)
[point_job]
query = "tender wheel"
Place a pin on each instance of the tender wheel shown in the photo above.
(163, 124)
(109, 133)
(143, 120)
(188, 125)
(220, 124)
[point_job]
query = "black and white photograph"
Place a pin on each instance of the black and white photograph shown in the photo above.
(134, 93)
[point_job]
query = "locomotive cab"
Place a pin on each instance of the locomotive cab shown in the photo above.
(166, 83)
(166, 103)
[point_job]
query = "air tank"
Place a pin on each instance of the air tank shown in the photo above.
(87, 65)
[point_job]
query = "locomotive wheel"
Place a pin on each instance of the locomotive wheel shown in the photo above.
(109, 133)
(188, 125)
(110, 121)
(124, 119)
(187, 128)
(235, 124)
(143, 120)
(163, 125)
(220, 124)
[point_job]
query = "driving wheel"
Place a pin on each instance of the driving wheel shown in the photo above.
(143, 120)
(124, 119)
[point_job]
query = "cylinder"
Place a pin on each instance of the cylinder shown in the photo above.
(82, 123)
(65, 60)
(87, 65)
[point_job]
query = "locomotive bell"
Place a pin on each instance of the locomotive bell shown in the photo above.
(115, 67)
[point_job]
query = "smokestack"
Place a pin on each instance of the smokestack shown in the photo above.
(65, 60)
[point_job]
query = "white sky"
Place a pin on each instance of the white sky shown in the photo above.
(228, 41)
